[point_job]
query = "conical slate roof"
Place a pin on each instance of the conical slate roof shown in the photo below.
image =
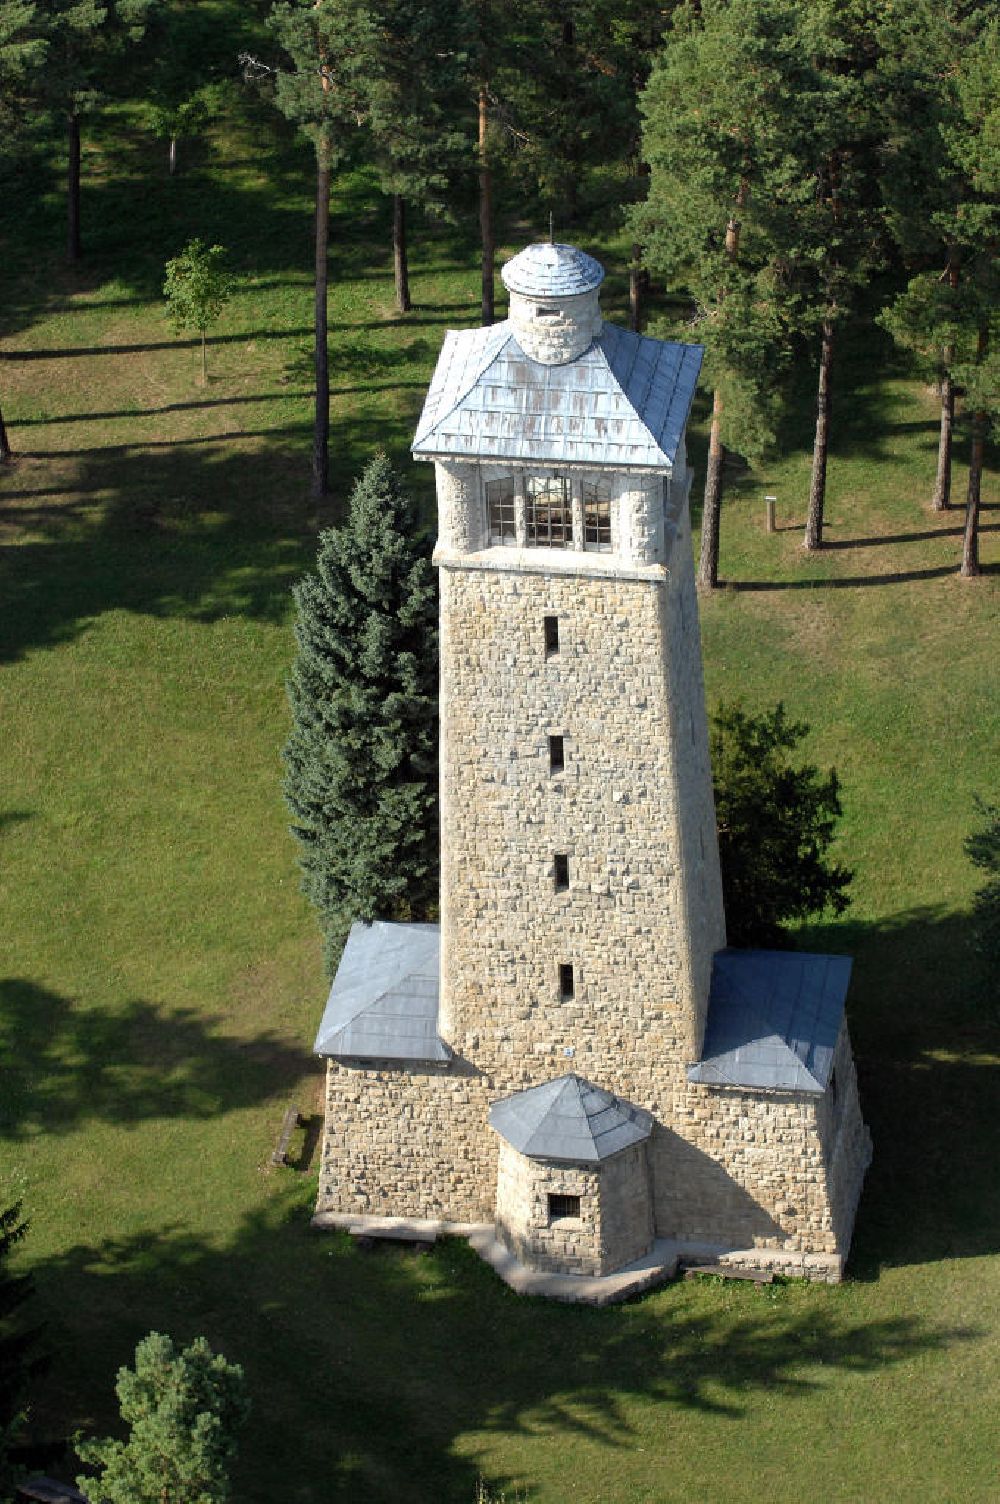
(773, 1020)
(384, 1000)
(549, 270)
(569, 1119)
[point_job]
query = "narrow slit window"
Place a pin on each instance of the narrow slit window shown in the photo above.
(549, 511)
(501, 509)
(596, 498)
(567, 981)
(557, 754)
(563, 1207)
(546, 313)
(551, 635)
(560, 864)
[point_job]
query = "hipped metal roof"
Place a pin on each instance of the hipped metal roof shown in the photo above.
(773, 1020)
(623, 402)
(384, 1000)
(569, 1119)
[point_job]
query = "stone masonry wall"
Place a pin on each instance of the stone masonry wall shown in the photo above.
(847, 1144)
(554, 340)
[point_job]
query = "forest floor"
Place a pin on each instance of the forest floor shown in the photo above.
(161, 980)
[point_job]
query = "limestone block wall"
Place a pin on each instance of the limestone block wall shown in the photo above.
(561, 331)
(743, 1168)
(613, 1228)
(609, 693)
(408, 1142)
(460, 510)
(641, 519)
(846, 1141)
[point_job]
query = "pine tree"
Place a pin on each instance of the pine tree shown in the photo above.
(776, 823)
(361, 760)
(184, 1410)
(713, 137)
(20, 1361)
(418, 146)
(323, 88)
(84, 38)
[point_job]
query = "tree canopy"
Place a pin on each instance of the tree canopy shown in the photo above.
(776, 823)
(361, 760)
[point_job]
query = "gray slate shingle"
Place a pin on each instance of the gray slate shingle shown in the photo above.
(383, 1004)
(569, 1119)
(551, 270)
(623, 402)
(773, 1020)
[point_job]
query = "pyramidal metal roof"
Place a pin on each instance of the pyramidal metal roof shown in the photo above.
(623, 402)
(384, 1000)
(773, 1020)
(549, 270)
(569, 1119)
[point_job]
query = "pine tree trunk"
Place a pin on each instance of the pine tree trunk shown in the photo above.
(5, 449)
(399, 259)
(321, 426)
(817, 487)
(635, 290)
(942, 481)
(74, 250)
(708, 562)
(486, 211)
(970, 541)
(172, 157)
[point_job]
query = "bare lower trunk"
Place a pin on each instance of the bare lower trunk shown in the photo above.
(635, 290)
(204, 361)
(486, 211)
(172, 157)
(942, 481)
(980, 420)
(708, 562)
(5, 449)
(399, 259)
(817, 487)
(74, 249)
(321, 426)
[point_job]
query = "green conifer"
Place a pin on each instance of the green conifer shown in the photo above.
(362, 756)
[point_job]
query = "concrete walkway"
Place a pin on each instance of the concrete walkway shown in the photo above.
(655, 1268)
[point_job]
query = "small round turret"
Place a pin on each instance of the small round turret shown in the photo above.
(554, 301)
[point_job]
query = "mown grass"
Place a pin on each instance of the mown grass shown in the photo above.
(161, 973)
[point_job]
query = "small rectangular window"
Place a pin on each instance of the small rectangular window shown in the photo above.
(561, 1207)
(500, 506)
(557, 754)
(551, 635)
(560, 865)
(567, 983)
(546, 313)
(596, 497)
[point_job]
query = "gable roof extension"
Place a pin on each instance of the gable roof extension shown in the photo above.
(623, 402)
(773, 1020)
(384, 1000)
(569, 1119)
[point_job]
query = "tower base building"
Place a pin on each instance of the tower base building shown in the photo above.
(573, 1055)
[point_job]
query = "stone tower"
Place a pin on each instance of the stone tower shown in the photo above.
(575, 1055)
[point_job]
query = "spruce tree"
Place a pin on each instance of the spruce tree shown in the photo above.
(361, 760)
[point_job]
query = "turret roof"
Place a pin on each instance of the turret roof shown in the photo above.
(550, 270)
(569, 1119)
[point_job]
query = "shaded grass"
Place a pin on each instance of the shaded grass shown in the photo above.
(161, 975)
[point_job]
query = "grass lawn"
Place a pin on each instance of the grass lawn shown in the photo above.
(161, 981)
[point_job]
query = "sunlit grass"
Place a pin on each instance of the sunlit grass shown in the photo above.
(161, 972)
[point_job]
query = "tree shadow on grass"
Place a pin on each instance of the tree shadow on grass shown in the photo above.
(924, 1028)
(366, 1370)
(64, 1064)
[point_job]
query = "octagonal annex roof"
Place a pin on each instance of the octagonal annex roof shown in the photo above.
(569, 1119)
